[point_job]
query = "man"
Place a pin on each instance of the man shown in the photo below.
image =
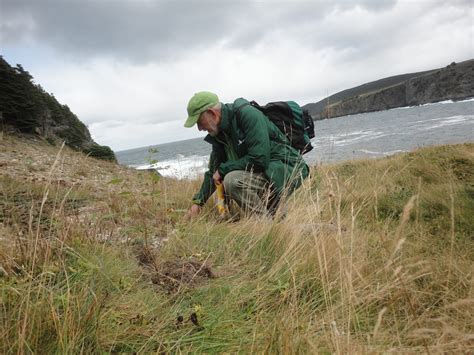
(250, 155)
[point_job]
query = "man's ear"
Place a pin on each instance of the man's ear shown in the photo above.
(203, 114)
(211, 112)
(215, 114)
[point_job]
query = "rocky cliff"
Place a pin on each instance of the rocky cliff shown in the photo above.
(454, 82)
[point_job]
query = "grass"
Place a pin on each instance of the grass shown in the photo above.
(373, 256)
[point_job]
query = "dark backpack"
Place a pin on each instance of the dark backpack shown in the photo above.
(292, 120)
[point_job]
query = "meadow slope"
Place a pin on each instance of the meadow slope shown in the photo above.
(373, 256)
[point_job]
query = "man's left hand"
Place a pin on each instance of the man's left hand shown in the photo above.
(217, 178)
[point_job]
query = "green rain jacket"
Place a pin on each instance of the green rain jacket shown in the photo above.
(250, 141)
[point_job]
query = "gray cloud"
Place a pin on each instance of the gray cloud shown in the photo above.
(138, 30)
(153, 31)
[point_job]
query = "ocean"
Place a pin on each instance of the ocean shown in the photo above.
(366, 135)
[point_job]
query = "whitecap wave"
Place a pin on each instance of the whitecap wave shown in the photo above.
(449, 121)
(391, 152)
(349, 138)
(433, 103)
(190, 167)
(448, 102)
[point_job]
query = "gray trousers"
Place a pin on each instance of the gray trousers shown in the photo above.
(248, 189)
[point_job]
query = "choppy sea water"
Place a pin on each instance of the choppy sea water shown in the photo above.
(367, 135)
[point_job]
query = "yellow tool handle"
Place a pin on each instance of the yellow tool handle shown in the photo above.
(220, 201)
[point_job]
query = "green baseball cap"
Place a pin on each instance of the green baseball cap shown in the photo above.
(199, 103)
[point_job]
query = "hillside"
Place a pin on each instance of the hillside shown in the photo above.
(454, 82)
(26, 108)
(374, 256)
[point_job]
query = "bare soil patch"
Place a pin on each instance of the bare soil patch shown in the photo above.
(176, 275)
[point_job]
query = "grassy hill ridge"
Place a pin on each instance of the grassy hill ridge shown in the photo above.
(374, 256)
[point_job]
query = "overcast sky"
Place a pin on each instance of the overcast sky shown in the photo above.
(127, 68)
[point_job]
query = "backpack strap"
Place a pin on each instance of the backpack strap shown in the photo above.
(239, 108)
(237, 111)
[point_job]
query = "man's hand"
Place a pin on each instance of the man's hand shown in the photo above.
(193, 211)
(217, 178)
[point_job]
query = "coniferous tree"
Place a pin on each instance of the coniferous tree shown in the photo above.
(19, 101)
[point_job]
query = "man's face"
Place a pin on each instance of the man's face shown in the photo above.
(208, 121)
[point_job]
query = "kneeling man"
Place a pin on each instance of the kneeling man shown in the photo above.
(250, 155)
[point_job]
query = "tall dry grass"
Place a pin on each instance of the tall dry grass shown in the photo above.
(372, 256)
